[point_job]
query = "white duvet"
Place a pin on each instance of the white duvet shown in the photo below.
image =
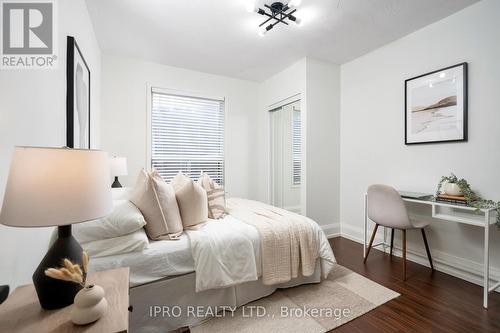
(228, 252)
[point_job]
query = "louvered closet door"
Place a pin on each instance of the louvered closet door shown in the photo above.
(187, 134)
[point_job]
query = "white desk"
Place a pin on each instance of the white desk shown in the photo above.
(460, 214)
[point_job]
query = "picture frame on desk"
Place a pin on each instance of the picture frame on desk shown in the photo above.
(436, 109)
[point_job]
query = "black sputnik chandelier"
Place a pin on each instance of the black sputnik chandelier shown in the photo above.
(276, 13)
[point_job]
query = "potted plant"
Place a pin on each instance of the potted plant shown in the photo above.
(451, 186)
(450, 183)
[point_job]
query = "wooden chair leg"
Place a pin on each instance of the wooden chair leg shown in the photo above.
(404, 255)
(371, 242)
(427, 248)
(392, 239)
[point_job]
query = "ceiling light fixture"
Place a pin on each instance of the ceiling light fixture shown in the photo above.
(279, 12)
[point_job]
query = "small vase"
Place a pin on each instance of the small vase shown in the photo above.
(452, 189)
(89, 305)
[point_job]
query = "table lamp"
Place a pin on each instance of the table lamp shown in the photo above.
(118, 167)
(56, 187)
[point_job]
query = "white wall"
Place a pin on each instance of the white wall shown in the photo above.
(124, 123)
(318, 84)
(323, 144)
(124, 116)
(33, 112)
(372, 127)
(283, 85)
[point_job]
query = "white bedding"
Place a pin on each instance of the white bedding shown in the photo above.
(226, 252)
(161, 259)
(175, 257)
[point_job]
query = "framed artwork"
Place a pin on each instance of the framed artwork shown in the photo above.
(436, 106)
(77, 97)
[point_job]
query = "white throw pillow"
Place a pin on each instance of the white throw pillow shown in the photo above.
(193, 204)
(134, 242)
(124, 219)
(154, 200)
(215, 195)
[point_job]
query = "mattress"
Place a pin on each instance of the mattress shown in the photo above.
(161, 259)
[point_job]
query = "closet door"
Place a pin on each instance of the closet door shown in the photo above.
(286, 156)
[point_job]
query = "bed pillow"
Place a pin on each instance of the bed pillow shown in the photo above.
(134, 242)
(193, 204)
(179, 181)
(124, 219)
(146, 196)
(215, 195)
(167, 202)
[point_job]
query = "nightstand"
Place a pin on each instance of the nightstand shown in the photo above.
(21, 312)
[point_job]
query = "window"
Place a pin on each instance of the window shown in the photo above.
(187, 134)
(296, 147)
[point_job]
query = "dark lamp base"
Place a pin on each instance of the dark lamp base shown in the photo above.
(53, 293)
(116, 183)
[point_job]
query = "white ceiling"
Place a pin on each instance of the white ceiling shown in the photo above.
(220, 36)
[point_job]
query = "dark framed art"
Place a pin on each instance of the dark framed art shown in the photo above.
(77, 97)
(436, 106)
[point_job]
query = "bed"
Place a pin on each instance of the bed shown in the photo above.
(165, 277)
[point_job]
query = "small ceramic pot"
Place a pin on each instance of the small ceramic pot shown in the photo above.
(89, 305)
(452, 189)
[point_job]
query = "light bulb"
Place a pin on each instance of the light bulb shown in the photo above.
(299, 22)
(294, 3)
(442, 75)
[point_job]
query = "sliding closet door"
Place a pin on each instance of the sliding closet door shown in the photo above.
(286, 157)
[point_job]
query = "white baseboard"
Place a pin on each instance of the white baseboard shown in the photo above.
(462, 268)
(331, 230)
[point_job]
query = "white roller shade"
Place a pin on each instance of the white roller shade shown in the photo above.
(187, 134)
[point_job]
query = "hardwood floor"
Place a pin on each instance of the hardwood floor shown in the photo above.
(429, 301)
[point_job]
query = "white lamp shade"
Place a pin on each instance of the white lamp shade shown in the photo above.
(118, 166)
(56, 186)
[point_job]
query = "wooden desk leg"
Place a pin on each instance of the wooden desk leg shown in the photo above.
(486, 264)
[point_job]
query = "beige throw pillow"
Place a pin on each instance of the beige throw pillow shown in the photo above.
(215, 195)
(179, 181)
(156, 201)
(193, 204)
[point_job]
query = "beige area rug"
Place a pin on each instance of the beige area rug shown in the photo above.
(311, 308)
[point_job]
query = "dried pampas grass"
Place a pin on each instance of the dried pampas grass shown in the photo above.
(71, 272)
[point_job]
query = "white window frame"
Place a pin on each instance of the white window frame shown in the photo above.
(172, 91)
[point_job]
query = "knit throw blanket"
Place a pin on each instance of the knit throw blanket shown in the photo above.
(289, 243)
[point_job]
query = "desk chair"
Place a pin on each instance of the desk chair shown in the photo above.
(386, 208)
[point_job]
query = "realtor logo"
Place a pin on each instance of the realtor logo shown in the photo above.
(28, 35)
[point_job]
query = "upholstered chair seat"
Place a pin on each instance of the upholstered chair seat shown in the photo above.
(385, 207)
